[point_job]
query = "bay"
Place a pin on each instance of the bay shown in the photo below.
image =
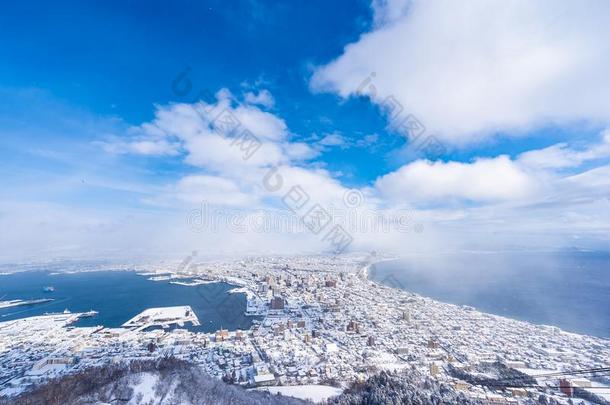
(120, 295)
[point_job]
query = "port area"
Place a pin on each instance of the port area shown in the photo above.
(163, 317)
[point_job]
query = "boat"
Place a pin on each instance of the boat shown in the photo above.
(16, 303)
(48, 289)
(89, 314)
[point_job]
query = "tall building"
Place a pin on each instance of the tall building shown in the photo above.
(371, 341)
(353, 326)
(566, 387)
(331, 283)
(277, 303)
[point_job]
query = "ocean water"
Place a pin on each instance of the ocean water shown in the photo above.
(568, 290)
(120, 295)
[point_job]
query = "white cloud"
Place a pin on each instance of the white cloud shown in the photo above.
(585, 187)
(469, 69)
(262, 124)
(386, 12)
(230, 176)
(319, 185)
(439, 183)
(334, 139)
(563, 156)
(263, 98)
(300, 151)
(217, 153)
(214, 190)
(149, 147)
(545, 176)
(194, 130)
(540, 198)
(451, 198)
(367, 140)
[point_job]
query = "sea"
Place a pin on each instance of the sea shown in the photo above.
(570, 290)
(118, 296)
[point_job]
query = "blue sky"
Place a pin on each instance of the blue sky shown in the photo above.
(117, 62)
(518, 103)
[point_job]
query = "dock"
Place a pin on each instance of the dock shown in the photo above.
(163, 317)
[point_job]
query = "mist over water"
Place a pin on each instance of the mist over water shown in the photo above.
(570, 290)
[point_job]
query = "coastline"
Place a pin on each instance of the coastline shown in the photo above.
(365, 272)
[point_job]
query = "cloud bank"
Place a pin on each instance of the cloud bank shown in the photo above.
(468, 70)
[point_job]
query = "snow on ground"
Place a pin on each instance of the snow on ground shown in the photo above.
(10, 391)
(535, 371)
(393, 366)
(315, 393)
(604, 393)
(144, 387)
(387, 361)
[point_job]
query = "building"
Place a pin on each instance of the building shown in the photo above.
(461, 385)
(54, 361)
(353, 326)
(222, 335)
(518, 392)
(277, 303)
(264, 379)
(371, 341)
(331, 283)
(566, 387)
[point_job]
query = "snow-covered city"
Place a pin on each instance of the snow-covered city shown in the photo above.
(318, 325)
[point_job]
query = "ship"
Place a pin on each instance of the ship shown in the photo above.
(48, 289)
(89, 314)
(17, 303)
